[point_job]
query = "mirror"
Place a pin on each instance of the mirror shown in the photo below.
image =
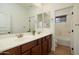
(14, 18)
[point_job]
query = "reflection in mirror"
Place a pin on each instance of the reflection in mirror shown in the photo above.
(5, 23)
(14, 18)
(46, 20)
(39, 23)
(32, 23)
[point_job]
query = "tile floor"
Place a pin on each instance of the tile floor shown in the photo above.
(61, 50)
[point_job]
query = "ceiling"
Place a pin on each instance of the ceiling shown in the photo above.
(27, 5)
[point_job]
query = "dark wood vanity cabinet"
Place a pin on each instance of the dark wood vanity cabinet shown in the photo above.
(41, 46)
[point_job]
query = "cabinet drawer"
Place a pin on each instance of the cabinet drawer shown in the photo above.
(26, 53)
(49, 36)
(44, 39)
(40, 41)
(28, 46)
(13, 51)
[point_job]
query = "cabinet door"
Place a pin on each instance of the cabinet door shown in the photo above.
(49, 38)
(49, 43)
(44, 46)
(13, 51)
(36, 50)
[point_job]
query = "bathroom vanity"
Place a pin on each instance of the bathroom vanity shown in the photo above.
(39, 44)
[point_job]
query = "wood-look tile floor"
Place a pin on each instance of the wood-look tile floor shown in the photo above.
(61, 50)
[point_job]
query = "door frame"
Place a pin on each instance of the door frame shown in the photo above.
(72, 47)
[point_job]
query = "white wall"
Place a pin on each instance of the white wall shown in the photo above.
(76, 29)
(18, 16)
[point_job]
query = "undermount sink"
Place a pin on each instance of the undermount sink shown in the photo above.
(19, 35)
(24, 36)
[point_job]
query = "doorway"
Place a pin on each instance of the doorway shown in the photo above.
(63, 27)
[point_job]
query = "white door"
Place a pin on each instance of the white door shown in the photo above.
(63, 27)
